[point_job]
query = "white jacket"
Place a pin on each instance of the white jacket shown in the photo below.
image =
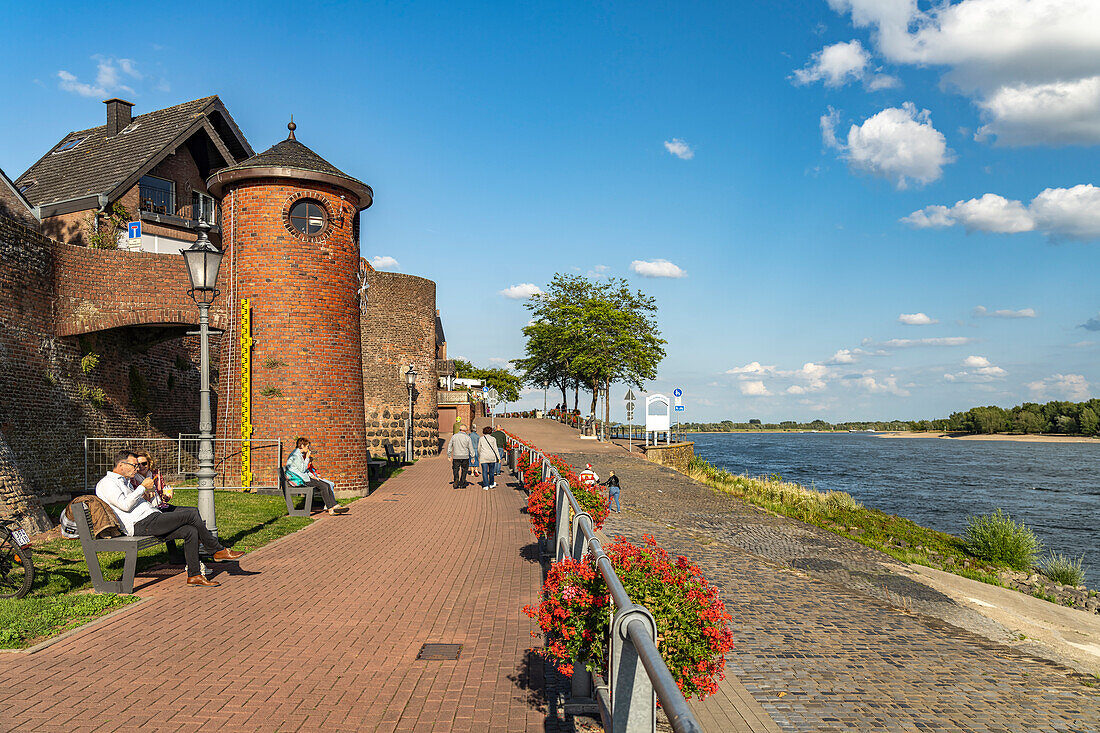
(487, 450)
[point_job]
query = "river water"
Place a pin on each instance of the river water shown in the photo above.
(1054, 488)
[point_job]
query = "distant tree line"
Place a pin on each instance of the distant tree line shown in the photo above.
(1065, 418)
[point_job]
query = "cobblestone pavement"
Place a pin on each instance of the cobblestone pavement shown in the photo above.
(829, 636)
(319, 631)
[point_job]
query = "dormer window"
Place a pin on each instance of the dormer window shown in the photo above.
(69, 144)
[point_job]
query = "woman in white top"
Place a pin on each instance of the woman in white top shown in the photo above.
(489, 454)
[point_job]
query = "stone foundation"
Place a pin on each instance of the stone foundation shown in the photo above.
(675, 455)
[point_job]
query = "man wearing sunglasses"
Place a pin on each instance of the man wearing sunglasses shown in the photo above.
(131, 503)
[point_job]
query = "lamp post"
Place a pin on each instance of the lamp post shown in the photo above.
(410, 384)
(545, 386)
(203, 260)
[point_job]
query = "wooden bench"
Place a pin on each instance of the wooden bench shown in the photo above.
(374, 466)
(392, 455)
(130, 545)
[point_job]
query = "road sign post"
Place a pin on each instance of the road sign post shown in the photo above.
(629, 399)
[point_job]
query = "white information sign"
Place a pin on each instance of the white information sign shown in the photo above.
(657, 417)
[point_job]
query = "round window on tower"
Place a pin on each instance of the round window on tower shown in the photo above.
(308, 216)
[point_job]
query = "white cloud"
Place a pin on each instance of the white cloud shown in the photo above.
(836, 65)
(888, 385)
(898, 144)
(656, 268)
(1029, 65)
(679, 148)
(1066, 386)
(916, 319)
(499, 361)
(1058, 113)
(109, 74)
(883, 81)
(978, 369)
(754, 388)
(523, 291)
(384, 262)
(982, 312)
(753, 367)
(844, 356)
(813, 374)
(597, 271)
(1060, 213)
(941, 341)
(795, 389)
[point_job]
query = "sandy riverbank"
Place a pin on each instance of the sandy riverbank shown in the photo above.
(996, 436)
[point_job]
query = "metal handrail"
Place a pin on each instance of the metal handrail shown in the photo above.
(632, 707)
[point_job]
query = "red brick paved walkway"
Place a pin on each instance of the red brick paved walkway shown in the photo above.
(324, 635)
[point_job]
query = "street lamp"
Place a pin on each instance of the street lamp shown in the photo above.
(410, 384)
(545, 386)
(203, 260)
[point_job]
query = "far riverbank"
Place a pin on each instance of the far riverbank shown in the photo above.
(1016, 438)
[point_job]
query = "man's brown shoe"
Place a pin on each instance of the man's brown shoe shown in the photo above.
(201, 580)
(227, 554)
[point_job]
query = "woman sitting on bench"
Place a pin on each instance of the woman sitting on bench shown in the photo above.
(299, 471)
(131, 503)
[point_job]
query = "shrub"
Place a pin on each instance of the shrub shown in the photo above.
(998, 539)
(1062, 569)
(89, 362)
(541, 509)
(692, 623)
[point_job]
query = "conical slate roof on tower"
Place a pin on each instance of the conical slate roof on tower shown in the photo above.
(290, 159)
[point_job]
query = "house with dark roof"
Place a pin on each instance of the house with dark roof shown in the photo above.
(154, 165)
(14, 205)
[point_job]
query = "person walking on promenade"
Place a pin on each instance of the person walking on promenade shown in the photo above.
(489, 455)
(138, 517)
(474, 471)
(300, 472)
(612, 485)
(459, 450)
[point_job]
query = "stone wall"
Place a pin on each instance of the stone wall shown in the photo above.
(676, 455)
(398, 330)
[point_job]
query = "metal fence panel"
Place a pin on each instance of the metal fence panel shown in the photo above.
(177, 459)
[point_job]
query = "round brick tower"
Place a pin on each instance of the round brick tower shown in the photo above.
(290, 234)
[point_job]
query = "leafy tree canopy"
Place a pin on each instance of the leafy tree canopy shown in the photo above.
(503, 381)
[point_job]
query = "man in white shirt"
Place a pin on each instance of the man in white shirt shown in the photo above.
(131, 503)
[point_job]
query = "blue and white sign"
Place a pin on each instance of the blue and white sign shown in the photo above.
(133, 230)
(485, 389)
(677, 392)
(679, 408)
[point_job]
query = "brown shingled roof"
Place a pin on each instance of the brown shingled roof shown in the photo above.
(98, 165)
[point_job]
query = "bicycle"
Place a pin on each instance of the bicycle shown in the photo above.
(16, 562)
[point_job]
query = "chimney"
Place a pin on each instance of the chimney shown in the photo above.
(118, 115)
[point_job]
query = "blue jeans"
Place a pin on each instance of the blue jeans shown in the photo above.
(613, 496)
(488, 470)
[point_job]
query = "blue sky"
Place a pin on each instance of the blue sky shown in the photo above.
(871, 209)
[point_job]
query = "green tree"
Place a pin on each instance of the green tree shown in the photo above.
(591, 333)
(502, 380)
(1089, 422)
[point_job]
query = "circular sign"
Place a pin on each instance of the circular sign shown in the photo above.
(678, 392)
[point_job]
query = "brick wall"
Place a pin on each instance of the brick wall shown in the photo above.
(147, 380)
(398, 329)
(307, 372)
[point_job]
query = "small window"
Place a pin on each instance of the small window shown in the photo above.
(69, 144)
(308, 216)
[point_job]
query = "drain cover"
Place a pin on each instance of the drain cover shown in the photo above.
(439, 651)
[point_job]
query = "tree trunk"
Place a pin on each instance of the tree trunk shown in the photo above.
(595, 394)
(576, 395)
(607, 402)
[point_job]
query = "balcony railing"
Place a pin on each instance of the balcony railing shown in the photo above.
(160, 201)
(156, 200)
